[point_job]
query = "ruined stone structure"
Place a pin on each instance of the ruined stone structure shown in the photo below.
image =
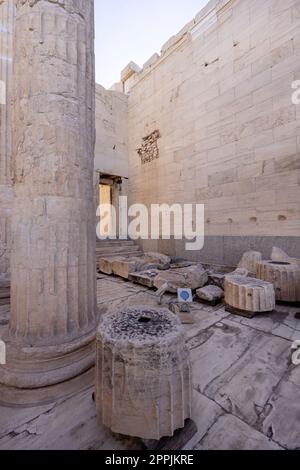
(216, 107)
(53, 312)
(143, 373)
(220, 94)
(213, 119)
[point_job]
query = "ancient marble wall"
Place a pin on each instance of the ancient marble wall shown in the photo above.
(7, 13)
(220, 94)
(111, 152)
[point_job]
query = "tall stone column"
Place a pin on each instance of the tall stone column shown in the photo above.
(53, 309)
(7, 16)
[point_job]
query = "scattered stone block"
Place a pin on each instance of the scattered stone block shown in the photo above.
(284, 276)
(249, 295)
(243, 272)
(123, 267)
(157, 259)
(211, 294)
(250, 260)
(183, 311)
(280, 255)
(105, 265)
(179, 307)
(217, 279)
(144, 278)
(143, 365)
(181, 263)
(192, 277)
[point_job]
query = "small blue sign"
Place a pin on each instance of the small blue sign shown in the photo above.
(185, 295)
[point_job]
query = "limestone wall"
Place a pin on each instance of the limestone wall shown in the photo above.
(220, 97)
(111, 152)
(7, 12)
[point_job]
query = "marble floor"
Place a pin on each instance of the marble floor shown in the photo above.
(246, 390)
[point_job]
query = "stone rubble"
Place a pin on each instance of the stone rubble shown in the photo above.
(192, 277)
(144, 278)
(210, 293)
(125, 266)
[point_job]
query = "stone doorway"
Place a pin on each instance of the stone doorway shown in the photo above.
(111, 188)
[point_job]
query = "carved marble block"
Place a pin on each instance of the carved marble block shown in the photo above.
(143, 373)
(193, 277)
(285, 277)
(250, 260)
(249, 295)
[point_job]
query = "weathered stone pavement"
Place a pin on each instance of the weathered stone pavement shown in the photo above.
(246, 391)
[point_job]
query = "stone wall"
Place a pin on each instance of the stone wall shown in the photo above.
(7, 12)
(220, 94)
(111, 153)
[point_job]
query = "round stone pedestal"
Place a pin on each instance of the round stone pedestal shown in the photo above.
(284, 276)
(37, 367)
(249, 295)
(143, 373)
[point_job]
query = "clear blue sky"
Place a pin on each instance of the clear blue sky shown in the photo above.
(134, 30)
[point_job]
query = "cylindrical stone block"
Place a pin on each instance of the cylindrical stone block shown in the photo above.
(284, 276)
(249, 295)
(143, 378)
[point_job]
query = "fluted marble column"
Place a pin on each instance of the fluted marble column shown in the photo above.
(53, 310)
(7, 16)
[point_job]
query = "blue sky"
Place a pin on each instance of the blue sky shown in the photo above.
(134, 29)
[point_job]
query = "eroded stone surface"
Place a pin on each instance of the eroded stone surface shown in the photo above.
(280, 255)
(210, 293)
(283, 407)
(250, 260)
(230, 433)
(144, 278)
(53, 217)
(104, 265)
(124, 266)
(217, 279)
(248, 294)
(143, 365)
(192, 277)
(285, 277)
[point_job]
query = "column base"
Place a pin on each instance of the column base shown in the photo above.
(22, 398)
(38, 367)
